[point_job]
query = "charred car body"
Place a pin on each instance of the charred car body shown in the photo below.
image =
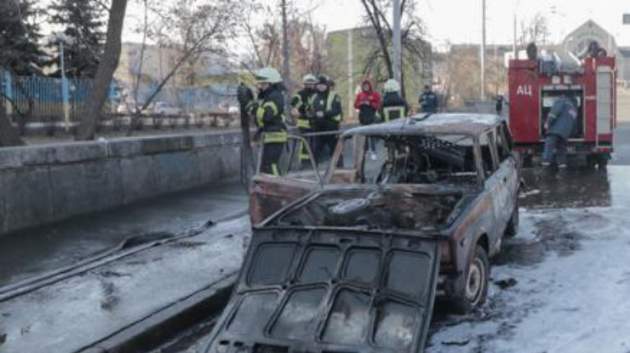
(352, 261)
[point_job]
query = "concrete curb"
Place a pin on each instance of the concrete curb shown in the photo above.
(149, 332)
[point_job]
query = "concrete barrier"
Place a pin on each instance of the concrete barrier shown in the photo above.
(48, 183)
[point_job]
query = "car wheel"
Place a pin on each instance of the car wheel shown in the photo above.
(512, 227)
(475, 286)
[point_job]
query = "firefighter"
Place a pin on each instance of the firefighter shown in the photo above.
(394, 105)
(299, 104)
(325, 105)
(268, 111)
(428, 101)
(560, 125)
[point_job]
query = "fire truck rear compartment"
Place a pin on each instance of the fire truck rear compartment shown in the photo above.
(549, 94)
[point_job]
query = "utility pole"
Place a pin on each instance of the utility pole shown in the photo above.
(350, 74)
(514, 43)
(397, 42)
(483, 50)
(286, 71)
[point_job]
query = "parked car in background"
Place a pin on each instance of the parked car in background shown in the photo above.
(165, 108)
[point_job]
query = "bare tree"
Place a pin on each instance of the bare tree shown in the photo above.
(9, 135)
(307, 40)
(379, 62)
(190, 28)
(105, 71)
(535, 30)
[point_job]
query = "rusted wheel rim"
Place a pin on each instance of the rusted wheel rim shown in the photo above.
(475, 281)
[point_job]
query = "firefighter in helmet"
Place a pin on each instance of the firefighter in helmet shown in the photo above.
(428, 101)
(326, 107)
(269, 114)
(299, 105)
(394, 105)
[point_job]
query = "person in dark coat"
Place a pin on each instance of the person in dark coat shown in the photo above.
(269, 114)
(325, 105)
(428, 101)
(394, 105)
(499, 104)
(560, 125)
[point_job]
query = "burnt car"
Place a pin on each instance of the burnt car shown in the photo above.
(351, 261)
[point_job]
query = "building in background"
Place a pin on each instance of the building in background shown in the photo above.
(205, 84)
(578, 41)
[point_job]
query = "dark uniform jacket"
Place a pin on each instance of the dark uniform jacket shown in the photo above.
(329, 103)
(429, 102)
(562, 118)
(391, 101)
(269, 114)
(300, 102)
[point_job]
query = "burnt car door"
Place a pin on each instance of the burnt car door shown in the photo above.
(332, 291)
(502, 179)
(294, 176)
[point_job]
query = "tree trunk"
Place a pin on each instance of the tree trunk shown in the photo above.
(105, 71)
(9, 135)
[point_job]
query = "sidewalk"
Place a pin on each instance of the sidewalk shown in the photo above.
(35, 252)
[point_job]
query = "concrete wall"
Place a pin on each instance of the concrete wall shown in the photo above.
(42, 184)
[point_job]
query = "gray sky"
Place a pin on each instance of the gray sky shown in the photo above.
(459, 21)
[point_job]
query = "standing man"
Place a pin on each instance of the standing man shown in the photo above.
(269, 114)
(499, 104)
(560, 125)
(428, 101)
(326, 107)
(394, 105)
(299, 105)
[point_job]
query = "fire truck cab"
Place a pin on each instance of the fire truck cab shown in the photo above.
(533, 87)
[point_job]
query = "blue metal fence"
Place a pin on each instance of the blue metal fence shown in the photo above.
(44, 96)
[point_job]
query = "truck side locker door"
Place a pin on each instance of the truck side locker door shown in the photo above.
(296, 178)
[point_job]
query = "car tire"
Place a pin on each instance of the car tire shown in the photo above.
(512, 227)
(476, 281)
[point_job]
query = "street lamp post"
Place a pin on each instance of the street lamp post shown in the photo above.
(483, 50)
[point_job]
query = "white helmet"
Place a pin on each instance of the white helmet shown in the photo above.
(391, 86)
(309, 79)
(268, 75)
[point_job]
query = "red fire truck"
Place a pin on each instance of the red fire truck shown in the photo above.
(532, 90)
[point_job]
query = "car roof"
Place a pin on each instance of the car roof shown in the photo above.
(439, 124)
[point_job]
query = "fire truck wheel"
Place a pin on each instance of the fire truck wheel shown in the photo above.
(602, 161)
(475, 287)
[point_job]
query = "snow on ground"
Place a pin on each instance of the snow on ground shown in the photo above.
(572, 273)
